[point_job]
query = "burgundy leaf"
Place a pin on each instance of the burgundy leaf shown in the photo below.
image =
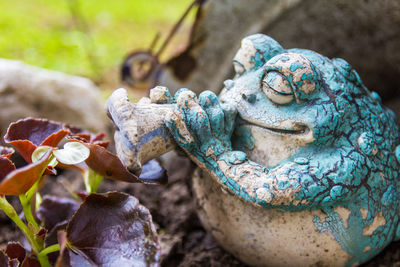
(21, 180)
(63, 259)
(27, 134)
(42, 233)
(67, 258)
(108, 165)
(14, 250)
(82, 195)
(51, 237)
(55, 138)
(30, 262)
(6, 151)
(32, 129)
(6, 166)
(90, 139)
(98, 137)
(3, 259)
(113, 229)
(85, 137)
(102, 143)
(25, 148)
(54, 210)
(75, 130)
(13, 263)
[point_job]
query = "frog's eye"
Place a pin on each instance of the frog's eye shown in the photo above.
(239, 68)
(277, 88)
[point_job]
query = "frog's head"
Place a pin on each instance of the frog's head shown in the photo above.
(287, 99)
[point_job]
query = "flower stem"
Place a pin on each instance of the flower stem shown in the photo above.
(50, 249)
(44, 261)
(12, 214)
(30, 236)
(26, 205)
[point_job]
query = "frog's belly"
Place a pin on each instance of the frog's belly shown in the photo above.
(264, 237)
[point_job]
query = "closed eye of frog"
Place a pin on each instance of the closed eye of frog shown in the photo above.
(298, 162)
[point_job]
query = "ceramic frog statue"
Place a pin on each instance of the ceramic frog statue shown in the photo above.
(298, 162)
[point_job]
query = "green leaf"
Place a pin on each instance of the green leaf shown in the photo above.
(92, 181)
(72, 153)
(39, 152)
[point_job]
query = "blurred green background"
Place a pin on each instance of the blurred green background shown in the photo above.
(85, 37)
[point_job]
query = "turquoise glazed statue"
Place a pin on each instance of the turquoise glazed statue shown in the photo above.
(298, 162)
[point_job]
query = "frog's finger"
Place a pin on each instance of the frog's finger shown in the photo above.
(230, 113)
(179, 92)
(177, 127)
(210, 103)
(160, 95)
(195, 117)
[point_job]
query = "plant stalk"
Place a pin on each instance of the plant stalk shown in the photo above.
(13, 215)
(26, 205)
(50, 249)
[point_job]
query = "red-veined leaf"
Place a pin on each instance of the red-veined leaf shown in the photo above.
(6, 152)
(25, 148)
(108, 165)
(98, 137)
(21, 180)
(6, 166)
(29, 133)
(113, 229)
(30, 262)
(3, 259)
(85, 137)
(13, 263)
(54, 210)
(32, 129)
(55, 138)
(14, 250)
(102, 143)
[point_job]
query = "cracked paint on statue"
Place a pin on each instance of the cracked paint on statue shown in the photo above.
(340, 150)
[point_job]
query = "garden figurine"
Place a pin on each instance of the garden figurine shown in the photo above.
(298, 163)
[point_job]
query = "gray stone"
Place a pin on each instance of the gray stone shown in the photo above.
(27, 91)
(215, 39)
(364, 32)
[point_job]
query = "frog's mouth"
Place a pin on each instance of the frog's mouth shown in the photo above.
(285, 128)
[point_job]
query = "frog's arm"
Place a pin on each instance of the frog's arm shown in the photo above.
(299, 182)
(203, 128)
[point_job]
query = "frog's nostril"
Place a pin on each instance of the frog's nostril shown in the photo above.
(251, 98)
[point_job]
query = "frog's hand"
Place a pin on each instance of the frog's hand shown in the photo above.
(201, 127)
(294, 185)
